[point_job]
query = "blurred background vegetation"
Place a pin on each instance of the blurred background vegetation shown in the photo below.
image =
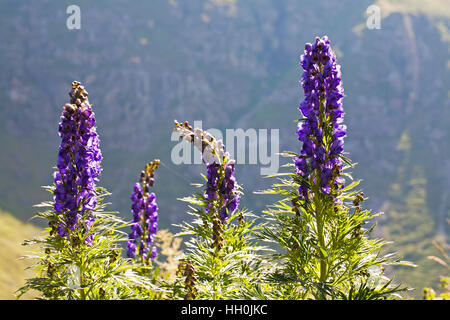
(231, 64)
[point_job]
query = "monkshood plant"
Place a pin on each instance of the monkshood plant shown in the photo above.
(319, 226)
(221, 257)
(80, 255)
(145, 216)
(141, 248)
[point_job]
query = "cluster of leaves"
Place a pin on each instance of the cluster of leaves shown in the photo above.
(323, 249)
(312, 251)
(315, 247)
(68, 268)
(224, 257)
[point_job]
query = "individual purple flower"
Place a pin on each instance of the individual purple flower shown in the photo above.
(212, 181)
(145, 216)
(79, 164)
(321, 130)
(228, 191)
(88, 223)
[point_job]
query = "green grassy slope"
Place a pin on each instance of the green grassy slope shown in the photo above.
(12, 269)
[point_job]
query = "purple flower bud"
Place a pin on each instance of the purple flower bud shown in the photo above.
(131, 249)
(154, 253)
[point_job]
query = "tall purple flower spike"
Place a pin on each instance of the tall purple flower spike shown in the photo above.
(145, 216)
(322, 130)
(79, 164)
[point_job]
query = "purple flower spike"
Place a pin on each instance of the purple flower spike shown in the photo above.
(79, 164)
(322, 131)
(145, 216)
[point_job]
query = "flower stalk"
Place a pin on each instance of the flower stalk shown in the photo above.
(79, 165)
(319, 222)
(145, 216)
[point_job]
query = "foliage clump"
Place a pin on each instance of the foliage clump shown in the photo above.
(314, 242)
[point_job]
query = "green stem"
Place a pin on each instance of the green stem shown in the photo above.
(82, 292)
(320, 222)
(319, 209)
(323, 260)
(320, 225)
(214, 296)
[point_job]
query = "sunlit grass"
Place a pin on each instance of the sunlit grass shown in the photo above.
(432, 8)
(12, 269)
